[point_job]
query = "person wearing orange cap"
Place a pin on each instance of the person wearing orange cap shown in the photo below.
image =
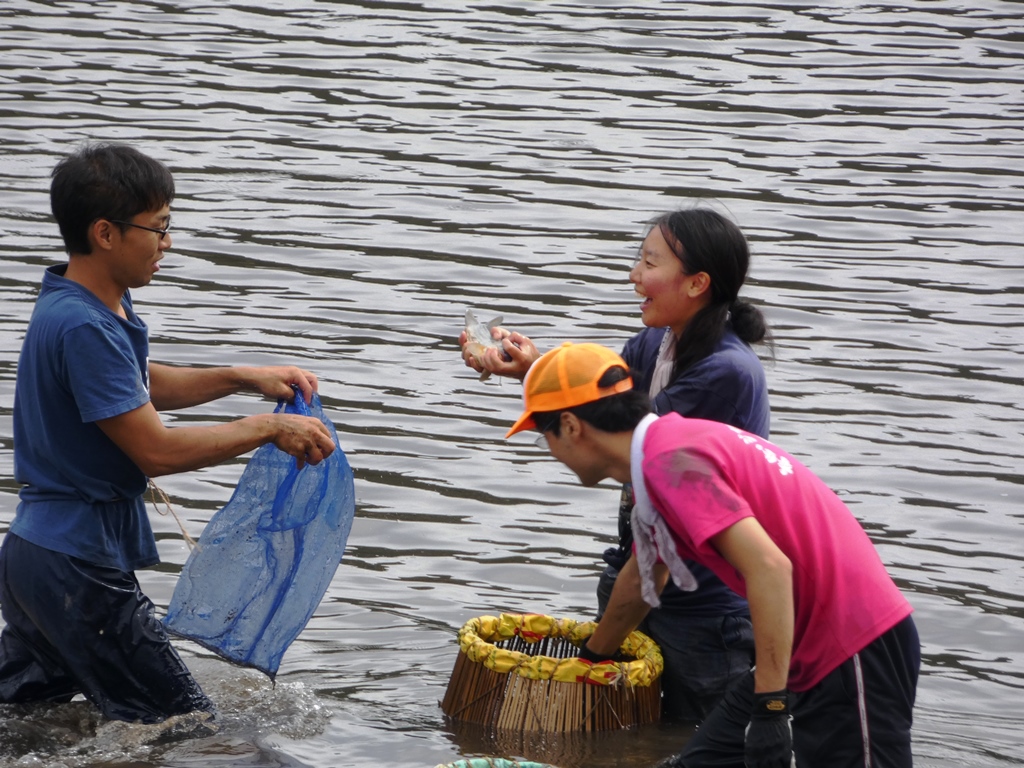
(837, 651)
(695, 358)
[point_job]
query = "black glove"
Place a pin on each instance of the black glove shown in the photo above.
(596, 658)
(769, 740)
(616, 557)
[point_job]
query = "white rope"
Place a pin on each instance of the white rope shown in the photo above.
(154, 490)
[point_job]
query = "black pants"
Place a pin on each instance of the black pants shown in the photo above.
(704, 655)
(859, 716)
(74, 627)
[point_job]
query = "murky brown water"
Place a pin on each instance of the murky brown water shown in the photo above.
(353, 176)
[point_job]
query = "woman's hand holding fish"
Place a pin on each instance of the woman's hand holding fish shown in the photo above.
(520, 350)
(522, 353)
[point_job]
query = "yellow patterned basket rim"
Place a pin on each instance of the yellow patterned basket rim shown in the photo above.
(477, 638)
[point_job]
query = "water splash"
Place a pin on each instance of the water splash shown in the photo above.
(75, 735)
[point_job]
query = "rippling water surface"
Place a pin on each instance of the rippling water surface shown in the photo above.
(353, 176)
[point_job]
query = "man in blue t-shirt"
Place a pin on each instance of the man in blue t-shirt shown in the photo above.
(87, 436)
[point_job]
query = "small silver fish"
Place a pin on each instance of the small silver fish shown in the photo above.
(479, 340)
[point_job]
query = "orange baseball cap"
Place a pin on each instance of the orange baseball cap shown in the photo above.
(565, 377)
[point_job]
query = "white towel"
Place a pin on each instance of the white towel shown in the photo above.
(663, 365)
(651, 534)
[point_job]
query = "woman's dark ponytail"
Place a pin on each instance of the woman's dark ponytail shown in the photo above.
(749, 322)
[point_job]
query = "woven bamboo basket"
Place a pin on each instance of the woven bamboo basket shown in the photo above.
(521, 672)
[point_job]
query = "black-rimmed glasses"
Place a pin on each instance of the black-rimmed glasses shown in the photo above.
(161, 232)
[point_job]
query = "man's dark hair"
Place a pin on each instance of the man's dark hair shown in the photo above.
(616, 413)
(105, 181)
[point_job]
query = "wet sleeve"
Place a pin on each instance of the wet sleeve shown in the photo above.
(102, 372)
(695, 499)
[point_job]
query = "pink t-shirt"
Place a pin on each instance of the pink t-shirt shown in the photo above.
(703, 476)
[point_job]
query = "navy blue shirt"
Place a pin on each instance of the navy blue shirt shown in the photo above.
(728, 386)
(80, 363)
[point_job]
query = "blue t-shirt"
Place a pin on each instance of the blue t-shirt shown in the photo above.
(728, 386)
(80, 363)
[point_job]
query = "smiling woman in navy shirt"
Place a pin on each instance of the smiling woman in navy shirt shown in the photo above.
(694, 358)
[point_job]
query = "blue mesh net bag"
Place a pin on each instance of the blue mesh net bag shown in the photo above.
(264, 561)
